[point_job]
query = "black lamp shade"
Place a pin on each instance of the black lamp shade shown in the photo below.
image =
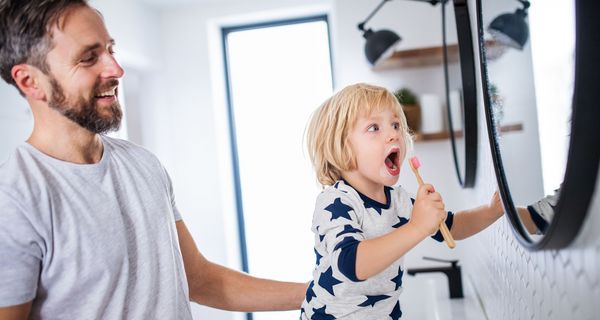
(378, 43)
(510, 29)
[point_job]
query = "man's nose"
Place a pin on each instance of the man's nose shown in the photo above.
(112, 69)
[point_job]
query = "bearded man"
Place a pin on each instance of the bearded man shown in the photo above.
(89, 228)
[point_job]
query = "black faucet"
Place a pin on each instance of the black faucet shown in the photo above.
(452, 272)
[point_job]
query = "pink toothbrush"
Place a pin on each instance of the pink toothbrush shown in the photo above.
(414, 166)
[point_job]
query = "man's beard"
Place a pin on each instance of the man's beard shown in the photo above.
(85, 111)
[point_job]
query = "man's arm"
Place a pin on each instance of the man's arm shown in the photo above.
(220, 287)
(19, 312)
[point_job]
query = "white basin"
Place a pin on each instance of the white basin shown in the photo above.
(426, 297)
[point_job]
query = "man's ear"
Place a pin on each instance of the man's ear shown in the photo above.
(27, 78)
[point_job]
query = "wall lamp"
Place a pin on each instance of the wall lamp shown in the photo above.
(510, 29)
(381, 43)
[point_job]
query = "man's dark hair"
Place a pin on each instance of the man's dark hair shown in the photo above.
(24, 32)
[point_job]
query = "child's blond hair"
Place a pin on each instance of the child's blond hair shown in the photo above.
(327, 133)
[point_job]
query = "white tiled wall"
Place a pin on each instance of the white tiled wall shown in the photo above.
(514, 283)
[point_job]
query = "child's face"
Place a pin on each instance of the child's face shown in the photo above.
(378, 146)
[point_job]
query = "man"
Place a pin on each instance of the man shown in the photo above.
(88, 224)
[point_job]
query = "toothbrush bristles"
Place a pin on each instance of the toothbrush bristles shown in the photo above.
(415, 162)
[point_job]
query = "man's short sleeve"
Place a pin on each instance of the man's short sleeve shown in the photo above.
(20, 254)
(176, 213)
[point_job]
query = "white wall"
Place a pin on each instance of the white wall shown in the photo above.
(16, 120)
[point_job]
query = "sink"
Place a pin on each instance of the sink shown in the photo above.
(426, 297)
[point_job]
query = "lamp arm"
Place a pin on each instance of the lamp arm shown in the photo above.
(525, 4)
(361, 26)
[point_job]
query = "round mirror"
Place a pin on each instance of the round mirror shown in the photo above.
(533, 86)
(461, 94)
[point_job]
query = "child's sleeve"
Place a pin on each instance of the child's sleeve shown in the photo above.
(449, 220)
(542, 211)
(338, 226)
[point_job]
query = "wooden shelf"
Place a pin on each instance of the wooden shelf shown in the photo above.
(418, 137)
(432, 56)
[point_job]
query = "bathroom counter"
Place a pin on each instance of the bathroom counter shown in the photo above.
(426, 297)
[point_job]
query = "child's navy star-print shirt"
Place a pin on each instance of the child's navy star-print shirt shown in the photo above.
(343, 217)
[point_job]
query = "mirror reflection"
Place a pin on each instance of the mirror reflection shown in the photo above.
(530, 64)
(461, 96)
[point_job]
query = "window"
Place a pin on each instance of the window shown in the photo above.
(277, 75)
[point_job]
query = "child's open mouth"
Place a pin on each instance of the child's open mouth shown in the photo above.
(392, 162)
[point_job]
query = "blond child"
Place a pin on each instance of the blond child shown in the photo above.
(363, 224)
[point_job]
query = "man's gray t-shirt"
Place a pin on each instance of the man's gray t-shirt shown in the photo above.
(91, 241)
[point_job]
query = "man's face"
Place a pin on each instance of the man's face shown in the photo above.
(84, 74)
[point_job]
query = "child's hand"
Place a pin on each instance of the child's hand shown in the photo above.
(495, 205)
(428, 211)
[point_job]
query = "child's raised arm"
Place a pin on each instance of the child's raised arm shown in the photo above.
(469, 222)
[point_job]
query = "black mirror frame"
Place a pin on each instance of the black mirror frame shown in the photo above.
(584, 149)
(469, 93)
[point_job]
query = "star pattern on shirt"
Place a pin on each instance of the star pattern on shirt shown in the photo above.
(318, 256)
(321, 236)
(310, 293)
(337, 185)
(321, 314)
(400, 223)
(327, 281)
(339, 210)
(369, 204)
(346, 241)
(349, 229)
(398, 279)
(396, 312)
(372, 300)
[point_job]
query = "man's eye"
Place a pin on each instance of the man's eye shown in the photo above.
(88, 58)
(373, 128)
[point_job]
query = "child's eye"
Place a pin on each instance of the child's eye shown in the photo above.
(396, 125)
(373, 128)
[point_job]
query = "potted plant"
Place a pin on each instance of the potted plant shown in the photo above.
(411, 108)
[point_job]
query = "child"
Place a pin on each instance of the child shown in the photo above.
(357, 141)
(537, 216)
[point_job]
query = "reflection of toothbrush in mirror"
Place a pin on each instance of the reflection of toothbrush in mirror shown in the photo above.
(414, 166)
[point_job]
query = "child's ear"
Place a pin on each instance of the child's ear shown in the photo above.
(27, 79)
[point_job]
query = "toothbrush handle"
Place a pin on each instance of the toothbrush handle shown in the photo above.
(443, 228)
(447, 235)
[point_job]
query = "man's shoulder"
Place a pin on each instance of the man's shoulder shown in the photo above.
(14, 166)
(121, 144)
(127, 147)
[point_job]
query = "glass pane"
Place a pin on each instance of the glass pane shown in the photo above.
(279, 75)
